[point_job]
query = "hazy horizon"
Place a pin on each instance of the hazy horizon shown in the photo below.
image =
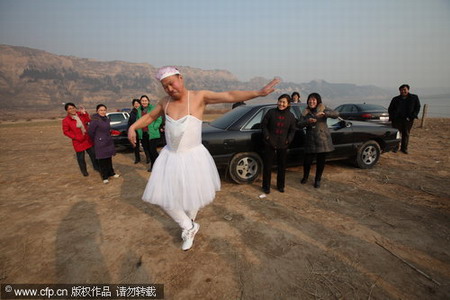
(383, 43)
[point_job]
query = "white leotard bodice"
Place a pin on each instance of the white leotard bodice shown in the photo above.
(184, 133)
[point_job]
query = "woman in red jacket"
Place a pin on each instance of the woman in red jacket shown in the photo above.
(75, 127)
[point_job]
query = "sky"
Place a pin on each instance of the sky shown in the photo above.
(364, 42)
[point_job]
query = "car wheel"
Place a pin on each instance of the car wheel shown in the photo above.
(245, 167)
(368, 155)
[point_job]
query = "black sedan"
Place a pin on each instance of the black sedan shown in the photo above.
(119, 133)
(235, 141)
(364, 112)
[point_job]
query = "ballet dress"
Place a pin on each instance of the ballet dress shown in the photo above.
(184, 176)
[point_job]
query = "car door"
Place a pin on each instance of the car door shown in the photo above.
(296, 150)
(350, 112)
(253, 129)
(342, 137)
(253, 126)
(342, 109)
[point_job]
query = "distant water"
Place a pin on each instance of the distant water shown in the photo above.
(437, 107)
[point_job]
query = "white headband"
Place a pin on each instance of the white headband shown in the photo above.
(166, 72)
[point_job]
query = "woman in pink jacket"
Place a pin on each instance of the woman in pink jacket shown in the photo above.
(75, 127)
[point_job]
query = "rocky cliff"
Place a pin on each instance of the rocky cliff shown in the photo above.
(38, 79)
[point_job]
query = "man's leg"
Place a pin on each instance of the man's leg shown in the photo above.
(180, 217)
(407, 125)
(192, 214)
(190, 228)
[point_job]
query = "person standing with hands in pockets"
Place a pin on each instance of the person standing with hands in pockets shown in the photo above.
(278, 127)
(403, 109)
(184, 176)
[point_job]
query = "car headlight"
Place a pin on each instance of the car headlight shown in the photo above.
(399, 136)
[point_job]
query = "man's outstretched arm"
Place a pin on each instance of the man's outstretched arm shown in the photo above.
(238, 96)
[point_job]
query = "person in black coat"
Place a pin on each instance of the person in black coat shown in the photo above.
(295, 97)
(133, 116)
(402, 111)
(278, 127)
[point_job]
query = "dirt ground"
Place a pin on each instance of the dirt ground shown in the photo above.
(382, 233)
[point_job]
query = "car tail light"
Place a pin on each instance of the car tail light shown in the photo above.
(115, 132)
(366, 116)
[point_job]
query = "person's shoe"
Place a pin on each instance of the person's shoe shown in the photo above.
(317, 184)
(188, 236)
(281, 190)
(405, 151)
(85, 173)
(266, 190)
(116, 175)
(105, 181)
(304, 180)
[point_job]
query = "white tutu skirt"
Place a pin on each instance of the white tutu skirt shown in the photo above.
(186, 180)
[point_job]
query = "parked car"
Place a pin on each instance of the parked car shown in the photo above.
(364, 112)
(235, 141)
(119, 133)
(117, 117)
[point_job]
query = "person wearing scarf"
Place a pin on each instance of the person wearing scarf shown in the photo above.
(318, 137)
(100, 132)
(278, 127)
(74, 126)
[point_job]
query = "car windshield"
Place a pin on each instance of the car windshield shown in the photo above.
(371, 107)
(230, 117)
(116, 117)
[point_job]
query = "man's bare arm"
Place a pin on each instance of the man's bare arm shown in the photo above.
(238, 96)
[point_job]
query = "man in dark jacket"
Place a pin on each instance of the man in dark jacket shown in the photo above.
(278, 127)
(402, 111)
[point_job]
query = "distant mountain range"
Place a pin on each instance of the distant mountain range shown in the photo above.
(38, 79)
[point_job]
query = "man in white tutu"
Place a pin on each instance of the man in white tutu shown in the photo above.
(184, 177)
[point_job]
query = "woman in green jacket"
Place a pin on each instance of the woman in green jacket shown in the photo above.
(149, 135)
